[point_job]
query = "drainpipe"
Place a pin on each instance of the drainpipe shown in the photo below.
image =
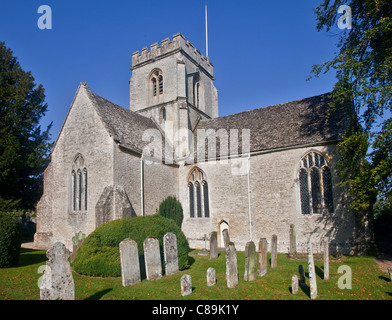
(142, 185)
(249, 207)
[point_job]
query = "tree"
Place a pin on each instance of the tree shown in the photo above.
(363, 68)
(24, 149)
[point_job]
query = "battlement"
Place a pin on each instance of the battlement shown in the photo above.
(168, 47)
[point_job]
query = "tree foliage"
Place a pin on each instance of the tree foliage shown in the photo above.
(171, 208)
(363, 67)
(24, 149)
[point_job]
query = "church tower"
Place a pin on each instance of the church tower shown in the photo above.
(173, 84)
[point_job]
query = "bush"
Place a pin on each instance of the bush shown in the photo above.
(99, 253)
(10, 240)
(171, 208)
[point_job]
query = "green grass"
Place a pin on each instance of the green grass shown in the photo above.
(368, 282)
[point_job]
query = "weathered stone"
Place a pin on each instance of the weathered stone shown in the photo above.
(263, 248)
(152, 258)
(312, 272)
(77, 241)
(129, 258)
(390, 272)
(186, 285)
(250, 261)
(274, 251)
(302, 279)
(211, 278)
(294, 284)
(326, 259)
(231, 266)
(293, 242)
(170, 253)
(57, 281)
(213, 245)
(226, 237)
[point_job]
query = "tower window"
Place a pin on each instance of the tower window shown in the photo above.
(156, 79)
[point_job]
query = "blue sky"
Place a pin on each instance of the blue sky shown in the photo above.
(262, 51)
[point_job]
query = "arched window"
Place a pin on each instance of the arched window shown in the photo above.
(78, 184)
(163, 114)
(315, 184)
(157, 82)
(198, 194)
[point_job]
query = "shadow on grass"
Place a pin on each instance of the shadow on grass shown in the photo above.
(384, 278)
(29, 256)
(98, 295)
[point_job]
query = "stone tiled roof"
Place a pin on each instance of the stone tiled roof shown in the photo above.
(283, 125)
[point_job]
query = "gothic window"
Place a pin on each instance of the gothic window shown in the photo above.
(199, 205)
(163, 114)
(78, 184)
(315, 184)
(157, 82)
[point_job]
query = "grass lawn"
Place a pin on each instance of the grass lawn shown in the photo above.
(368, 282)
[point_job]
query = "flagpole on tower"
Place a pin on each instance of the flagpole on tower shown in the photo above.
(206, 31)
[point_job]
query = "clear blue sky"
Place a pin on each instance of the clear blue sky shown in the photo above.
(262, 51)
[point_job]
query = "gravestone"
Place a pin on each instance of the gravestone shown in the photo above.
(231, 266)
(274, 251)
(302, 279)
(226, 237)
(129, 258)
(170, 253)
(152, 258)
(213, 245)
(294, 284)
(390, 272)
(77, 241)
(263, 248)
(57, 281)
(186, 285)
(250, 261)
(204, 251)
(312, 272)
(326, 259)
(293, 242)
(211, 278)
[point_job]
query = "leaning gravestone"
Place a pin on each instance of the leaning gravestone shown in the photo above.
(326, 259)
(211, 279)
(274, 251)
(170, 253)
(293, 242)
(231, 266)
(213, 245)
(312, 272)
(186, 285)
(262, 267)
(226, 237)
(129, 258)
(152, 258)
(302, 280)
(294, 284)
(57, 281)
(250, 261)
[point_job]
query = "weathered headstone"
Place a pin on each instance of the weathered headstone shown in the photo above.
(57, 281)
(390, 272)
(152, 258)
(170, 253)
(250, 261)
(294, 284)
(302, 279)
(226, 237)
(312, 272)
(129, 258)
(293, 242)
(274, 251)
(231, 266)
(186, 285)
(211, 278)
(204, 251)
(326, 259)
(263, 248)
(213, 245)
(77, 241)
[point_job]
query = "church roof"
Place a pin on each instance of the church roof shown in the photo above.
(294, 123)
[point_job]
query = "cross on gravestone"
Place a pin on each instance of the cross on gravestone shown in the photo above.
(129, 259)
(213, 245)
(231, 266)
(274, 251)
(152, 258)
(57, 281)
(250, 261)
(262, 267)
(204, 251)
(211, 278)
(170, 253)
(186, 285)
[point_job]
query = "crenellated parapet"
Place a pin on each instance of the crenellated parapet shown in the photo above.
(167, 47)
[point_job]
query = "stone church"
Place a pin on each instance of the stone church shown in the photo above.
(254, 173)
